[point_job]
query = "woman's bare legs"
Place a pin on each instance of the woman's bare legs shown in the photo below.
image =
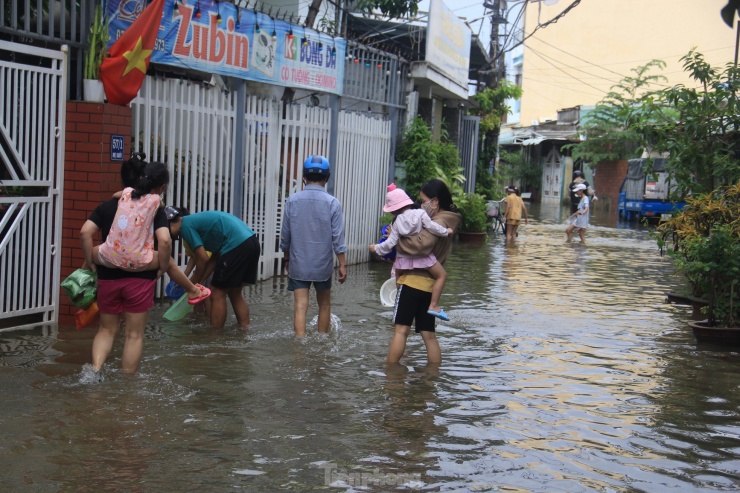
(569, 232)
(398, 343)
(134, 344)
(434, 353)
(511, 230)
(110, 323)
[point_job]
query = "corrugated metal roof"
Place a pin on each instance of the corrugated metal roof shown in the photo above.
(527, 137)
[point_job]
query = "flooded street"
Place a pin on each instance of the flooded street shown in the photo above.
(563, 370)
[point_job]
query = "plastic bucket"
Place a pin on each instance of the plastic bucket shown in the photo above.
(179, 309)
(388, 293)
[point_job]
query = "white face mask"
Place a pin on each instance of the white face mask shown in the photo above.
(428, 208)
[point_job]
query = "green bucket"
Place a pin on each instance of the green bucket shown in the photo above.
(179, 309)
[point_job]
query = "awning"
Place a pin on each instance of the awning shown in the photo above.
(527, 137)
(533, 141)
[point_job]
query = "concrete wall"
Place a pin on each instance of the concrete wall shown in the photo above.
(576, 60)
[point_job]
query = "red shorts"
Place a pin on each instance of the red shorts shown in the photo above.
(130, 295)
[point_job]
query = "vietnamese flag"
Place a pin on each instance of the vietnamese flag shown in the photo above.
(124, 70)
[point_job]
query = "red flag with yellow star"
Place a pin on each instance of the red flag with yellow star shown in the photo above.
(124, 70)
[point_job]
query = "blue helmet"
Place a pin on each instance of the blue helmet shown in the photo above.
(317, 165)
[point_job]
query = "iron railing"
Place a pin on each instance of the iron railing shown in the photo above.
(50, 24)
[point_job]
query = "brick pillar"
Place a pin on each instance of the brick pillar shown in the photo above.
(90, 177)
(608, 180)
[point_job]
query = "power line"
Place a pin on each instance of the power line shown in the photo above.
(541, 55)
(510, 36)
(539, 26)
(549, 83)
(612, 71)
(542, 96)
(566, 73)
(407, 22)
(579, 58)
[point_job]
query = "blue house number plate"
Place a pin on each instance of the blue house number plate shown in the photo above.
(116, 147)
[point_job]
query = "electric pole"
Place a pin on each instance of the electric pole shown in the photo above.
(494, 74)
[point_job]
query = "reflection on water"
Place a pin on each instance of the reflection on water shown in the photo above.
(563, 371)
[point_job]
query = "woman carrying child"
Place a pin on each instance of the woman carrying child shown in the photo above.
(130, 242)
(410, 222)
(415, 286)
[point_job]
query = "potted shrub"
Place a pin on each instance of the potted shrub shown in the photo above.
(472, 208)
(96, 52)
(706, 249)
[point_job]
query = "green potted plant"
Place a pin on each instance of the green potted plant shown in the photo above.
(472, 208)
(97, 50)
(706, 250)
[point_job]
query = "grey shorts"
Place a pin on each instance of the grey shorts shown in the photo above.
(294, 284)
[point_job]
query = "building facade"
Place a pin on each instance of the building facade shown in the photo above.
(576, 60)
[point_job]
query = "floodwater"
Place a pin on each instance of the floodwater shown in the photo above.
(563, 371)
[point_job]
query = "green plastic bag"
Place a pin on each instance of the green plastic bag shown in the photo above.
(82, 287)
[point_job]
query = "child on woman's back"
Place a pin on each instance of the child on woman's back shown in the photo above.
(130, 243)
(410, 222)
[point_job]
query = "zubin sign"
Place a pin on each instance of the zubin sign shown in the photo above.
(243, 44)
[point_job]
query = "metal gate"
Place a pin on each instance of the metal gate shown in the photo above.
(33, 85)
(468, 150)
(361, 177)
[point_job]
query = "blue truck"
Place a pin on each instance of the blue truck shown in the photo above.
(646, 195)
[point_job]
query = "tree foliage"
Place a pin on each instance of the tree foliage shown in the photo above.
(418, 153)
(614, 129)
(492, 104)
(698, 128)
(492, 109)
(425, 159)
(390, 8)
(703, 141)
(514, 166)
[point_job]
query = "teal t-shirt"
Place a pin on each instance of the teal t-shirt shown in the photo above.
(216, 231)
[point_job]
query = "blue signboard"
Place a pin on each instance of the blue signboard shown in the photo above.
(219, 38)
(116, 147)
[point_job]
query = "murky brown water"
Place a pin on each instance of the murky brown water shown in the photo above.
(563, 371)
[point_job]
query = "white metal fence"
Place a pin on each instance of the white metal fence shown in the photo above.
(193, 129)
(276, 145)
(361, 175)
(32, 116)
